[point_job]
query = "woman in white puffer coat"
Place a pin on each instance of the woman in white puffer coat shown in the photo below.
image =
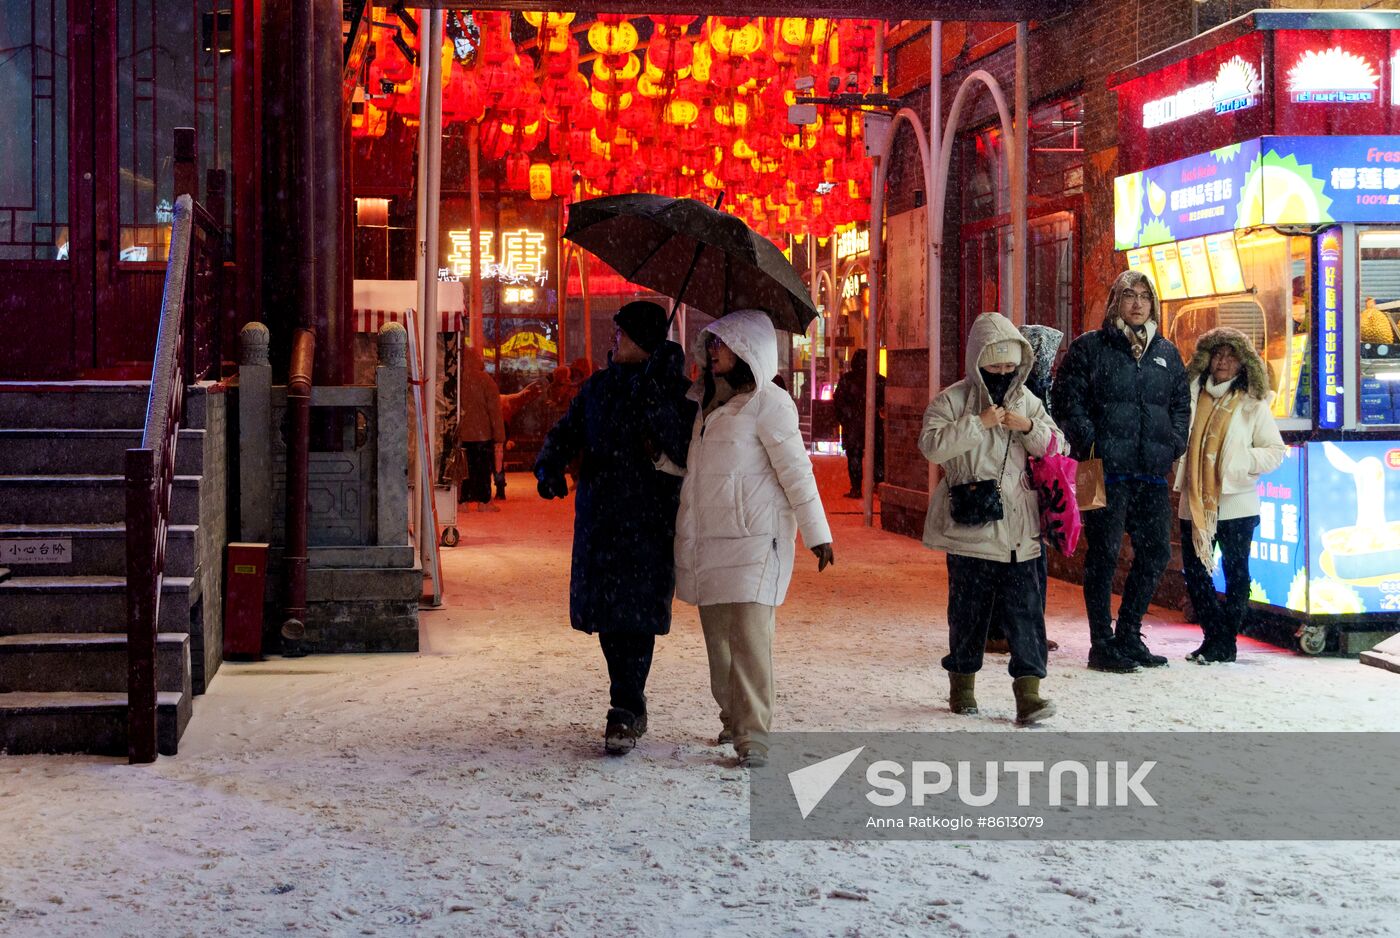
(748, 490)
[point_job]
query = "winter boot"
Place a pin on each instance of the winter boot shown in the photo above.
(1030, 706)
(1218, 651)
(960, 698)
(620, 736)
(1202, 648)
(1107, 657)
(726, 735)
(753, 757)
(1128, 638)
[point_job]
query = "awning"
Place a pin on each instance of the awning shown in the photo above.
(372, 320)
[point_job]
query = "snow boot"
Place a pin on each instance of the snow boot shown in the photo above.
(960, 698)
(1108, 658)
(1202, 648)
(753, 757)
(620, 736)
(1128, 638)
(726, 735)
(1219, 651)
(1030, 706)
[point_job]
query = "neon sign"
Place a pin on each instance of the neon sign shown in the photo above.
(854, 241)
(1329, 266)
(1236, 86)
(1332, 76)
(522, 259)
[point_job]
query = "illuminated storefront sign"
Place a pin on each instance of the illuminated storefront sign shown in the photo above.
(1269, 181)
(1332, 76)
(852, 242)
(522, 255)
(1329, 273)
(1236, 86)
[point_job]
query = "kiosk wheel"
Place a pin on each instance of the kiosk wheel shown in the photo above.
(450, 537)
(1312, 639)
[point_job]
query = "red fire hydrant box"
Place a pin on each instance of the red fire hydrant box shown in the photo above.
(245, 579)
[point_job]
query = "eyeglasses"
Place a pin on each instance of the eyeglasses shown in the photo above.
(1132, 296)
(713, 341)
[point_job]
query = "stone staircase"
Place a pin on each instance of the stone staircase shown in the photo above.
(63, 619)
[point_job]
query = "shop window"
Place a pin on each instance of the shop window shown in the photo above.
(1056, 161)
(34, 147)
(1378, 331)
(1257, 282)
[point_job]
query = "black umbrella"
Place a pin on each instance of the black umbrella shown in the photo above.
(693, 253)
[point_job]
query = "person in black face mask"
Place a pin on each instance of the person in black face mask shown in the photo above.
(998, 382)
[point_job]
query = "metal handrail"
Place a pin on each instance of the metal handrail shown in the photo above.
(187, 346)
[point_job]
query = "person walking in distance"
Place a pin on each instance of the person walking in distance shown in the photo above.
(623, 576)
(849, 400)
(1233, 441)
(481, 431)
(1121, 396)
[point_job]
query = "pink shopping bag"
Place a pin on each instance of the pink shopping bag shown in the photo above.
(1053, 478)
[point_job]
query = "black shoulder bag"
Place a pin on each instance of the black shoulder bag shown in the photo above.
(978, 503)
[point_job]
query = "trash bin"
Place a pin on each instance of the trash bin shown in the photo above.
(245, 580)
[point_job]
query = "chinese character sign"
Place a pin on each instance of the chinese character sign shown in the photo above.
(1278, 555)
(1329, 274)
(523, 255)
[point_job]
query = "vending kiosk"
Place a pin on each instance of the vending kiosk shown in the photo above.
(1282, 220)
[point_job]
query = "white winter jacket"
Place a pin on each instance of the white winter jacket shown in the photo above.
(953, 437)
(1253, 447)
(748, 483)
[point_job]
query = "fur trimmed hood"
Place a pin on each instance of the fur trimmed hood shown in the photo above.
(1254, 373)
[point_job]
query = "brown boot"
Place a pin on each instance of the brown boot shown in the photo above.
(1030, 706)
(960, 698)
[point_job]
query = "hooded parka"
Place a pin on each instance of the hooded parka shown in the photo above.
(1133, 413)
(748, 485)
(953, 437)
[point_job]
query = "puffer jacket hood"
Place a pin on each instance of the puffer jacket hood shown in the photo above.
(989, 328)
(1125, 280)
(750, 333)
(1257, 377)
(1045, 342)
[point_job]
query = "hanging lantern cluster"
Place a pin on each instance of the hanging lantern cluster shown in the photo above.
(684, 105)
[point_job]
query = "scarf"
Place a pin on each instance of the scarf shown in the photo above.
(1139, 337)
(1215, 407)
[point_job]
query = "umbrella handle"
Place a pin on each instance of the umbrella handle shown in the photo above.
(699, 246)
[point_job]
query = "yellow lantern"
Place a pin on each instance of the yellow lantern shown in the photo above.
(648, 88)
(803, 32)
(742, 151)
(629, 70)
(680, 112)
(740, 42)
(537, 19)
(602, 101)
(612, 40)
(712, 181)
(700, 62)
(541, 182)
(732, 115)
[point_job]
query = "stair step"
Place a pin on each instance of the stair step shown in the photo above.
(56, 499)
(40, 450)
(74, 403)
(35, 604)
(100, 549)
(87, 722)
(87, 661)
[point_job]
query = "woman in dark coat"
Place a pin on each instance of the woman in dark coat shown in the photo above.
(623, 569)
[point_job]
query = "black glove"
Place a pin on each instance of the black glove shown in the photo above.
(551, 485)
(825, 556)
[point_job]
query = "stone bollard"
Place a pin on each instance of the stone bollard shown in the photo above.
(392, 431)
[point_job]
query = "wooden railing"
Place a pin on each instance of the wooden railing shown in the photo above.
(187, 350)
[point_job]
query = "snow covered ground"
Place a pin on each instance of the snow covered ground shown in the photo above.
(463, 790)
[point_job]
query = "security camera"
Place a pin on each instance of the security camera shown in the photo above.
(833, 84)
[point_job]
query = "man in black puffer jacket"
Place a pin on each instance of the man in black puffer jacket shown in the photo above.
(1121, 396)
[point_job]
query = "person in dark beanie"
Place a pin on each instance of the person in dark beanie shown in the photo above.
(1121, 396)
(623, 569)
(1233, 442)
(849, 400)
(982, 429)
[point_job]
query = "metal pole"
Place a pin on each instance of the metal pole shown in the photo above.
(432, 120)
(812, 339)
(833, 309)
(562, 292)
(416, 518)
(872, 350)
(933, 252)
(329, 127)
(1020, 165)
(478, 328)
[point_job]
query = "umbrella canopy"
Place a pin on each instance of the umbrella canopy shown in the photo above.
(692, 253)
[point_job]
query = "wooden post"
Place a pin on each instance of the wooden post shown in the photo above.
(186, 163)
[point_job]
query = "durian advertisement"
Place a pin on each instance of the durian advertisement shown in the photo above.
(1267, 181)
(1353, 527)
(1278, 555)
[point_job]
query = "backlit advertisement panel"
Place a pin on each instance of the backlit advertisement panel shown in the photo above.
(1278, 555)
(1353, 527)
